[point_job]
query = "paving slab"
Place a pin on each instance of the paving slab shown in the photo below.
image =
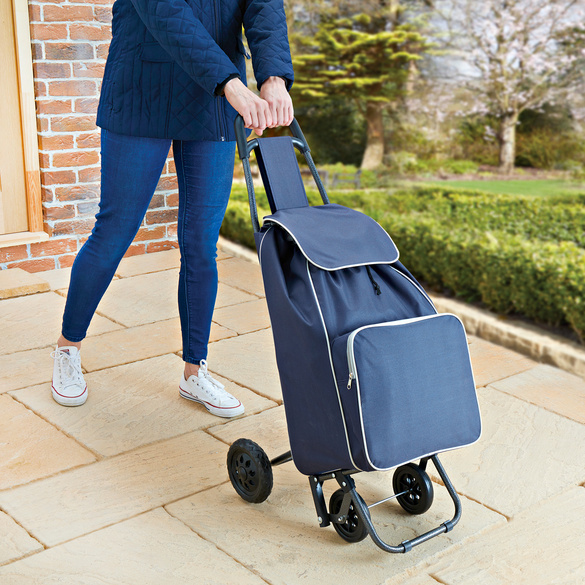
(267, 429)
(241, 274)
(147, 298)
(82, 500)
(146, 263)
(281, 541)
(550, 388)
(492, 362)
(244, 317)
(25, 368)
(249, 359)
(16, 282)
(525, 454)
(138, 343)
(31, 448)
(151, 549)
(132, 405)
(15, 541)
(57, 278)
(542, 546)
(35, 321)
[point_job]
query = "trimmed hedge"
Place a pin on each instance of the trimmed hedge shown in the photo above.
(516, 254)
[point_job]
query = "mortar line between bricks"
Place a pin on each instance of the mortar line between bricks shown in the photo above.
(225, 552)
(97, 455)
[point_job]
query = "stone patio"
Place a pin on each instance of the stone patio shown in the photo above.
(132, 488)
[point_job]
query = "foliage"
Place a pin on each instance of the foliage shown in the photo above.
(515, 254)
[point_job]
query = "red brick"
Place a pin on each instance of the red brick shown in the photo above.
(172, 200)
(65, 212)
(85, 32)
(48, 32)
(53, 247)
(77, 158)
(34, 265)
(54, 106)
(103, 14)
(172, 230)
(86, 105)
(72, 87)
(67, 13)
(37, 51)
(91, 140)
(89, 69)
(167, 183)
(155, 233)
(135, 250)
(12, 253)
(57, 177)
(162, 216)
(45, 70)
(68, 51)
(80, 226)
(72, 123)
(42, 124)
(47, 195)
(40, 88)
(45, 160)
(90, 175)
(171, 166)
(77, 192)
(158, 200)
(162, 245)
(101, 51)
(57, 142)
(66, 260)
(34, 13)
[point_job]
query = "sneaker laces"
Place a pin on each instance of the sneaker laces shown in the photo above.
(208, 376)
(69, 367)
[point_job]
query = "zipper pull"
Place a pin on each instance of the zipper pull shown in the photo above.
(351, 377)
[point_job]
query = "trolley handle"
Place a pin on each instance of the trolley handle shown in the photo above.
(245, 147)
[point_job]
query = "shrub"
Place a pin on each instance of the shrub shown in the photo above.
(515, 254)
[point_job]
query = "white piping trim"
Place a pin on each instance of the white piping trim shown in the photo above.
(270, 220)
(417, 286)
(260, 246)
(353, 369)
(332, 366)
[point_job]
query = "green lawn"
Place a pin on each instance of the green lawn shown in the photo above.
(537, 188)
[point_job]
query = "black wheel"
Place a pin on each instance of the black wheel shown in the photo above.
(353, 529)
(415, 481)
(249, 470)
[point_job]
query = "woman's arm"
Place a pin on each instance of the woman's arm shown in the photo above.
(266, 32)
(175, 27)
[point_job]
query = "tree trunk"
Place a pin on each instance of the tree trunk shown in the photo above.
(374, 153)
(507, 138)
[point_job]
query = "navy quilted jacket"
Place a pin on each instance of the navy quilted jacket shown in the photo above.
(167, 58)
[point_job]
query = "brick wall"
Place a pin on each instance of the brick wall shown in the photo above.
(70, 43)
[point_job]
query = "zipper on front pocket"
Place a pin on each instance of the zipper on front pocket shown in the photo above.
(216, 13)
(350, 359)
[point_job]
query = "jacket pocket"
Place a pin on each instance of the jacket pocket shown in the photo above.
(154, 53)
(407, 389)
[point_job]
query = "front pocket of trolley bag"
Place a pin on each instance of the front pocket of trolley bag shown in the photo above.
(409, 389)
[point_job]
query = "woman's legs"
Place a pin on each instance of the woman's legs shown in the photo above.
(204, 172)
(131, 167)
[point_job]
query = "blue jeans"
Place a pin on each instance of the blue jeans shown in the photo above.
(131, 167)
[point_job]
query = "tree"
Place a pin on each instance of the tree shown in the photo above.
(365, 57)
(515, 56)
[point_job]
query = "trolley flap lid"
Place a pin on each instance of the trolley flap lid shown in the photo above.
(333, 237)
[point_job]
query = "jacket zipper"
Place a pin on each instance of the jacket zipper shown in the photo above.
(218, 98)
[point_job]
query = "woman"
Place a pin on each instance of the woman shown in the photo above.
(175, 74)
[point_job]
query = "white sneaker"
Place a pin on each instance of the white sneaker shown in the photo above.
(204, 389)
(69, 387)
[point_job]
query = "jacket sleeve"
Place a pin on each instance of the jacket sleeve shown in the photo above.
(266, 32)
(182, 35)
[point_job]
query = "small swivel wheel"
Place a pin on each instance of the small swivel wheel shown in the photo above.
(415, 488)
(353, 529)
(249, 470)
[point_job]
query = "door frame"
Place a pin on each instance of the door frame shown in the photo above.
(28, 121)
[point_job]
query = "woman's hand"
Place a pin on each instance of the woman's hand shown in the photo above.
(273, 90)
(255, 110)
